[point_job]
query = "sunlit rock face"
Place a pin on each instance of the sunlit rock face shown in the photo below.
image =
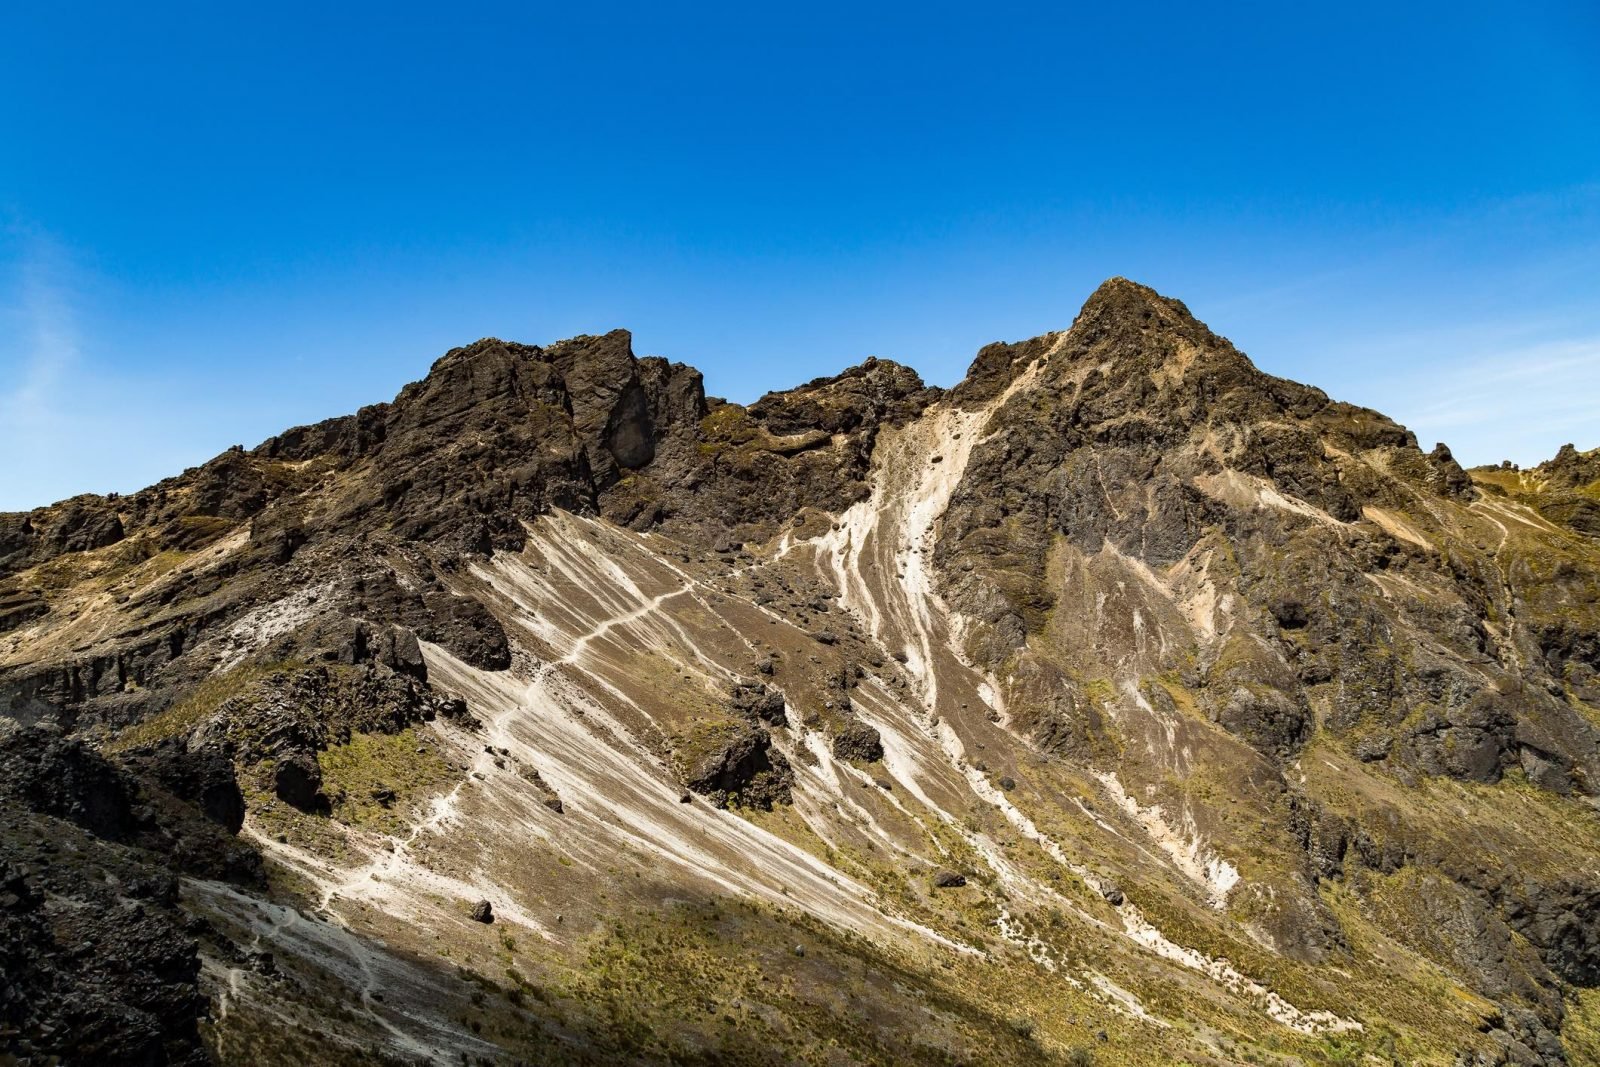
(1122, 704)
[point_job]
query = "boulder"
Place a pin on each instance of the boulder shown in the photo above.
(759, 703)
(297, 781)
(856, 740)
(743, 767)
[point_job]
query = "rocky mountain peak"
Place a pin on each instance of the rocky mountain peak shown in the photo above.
(1169, 669)
(1131, 334)
(1124, 330)
(1119, 304)
(1572, 469)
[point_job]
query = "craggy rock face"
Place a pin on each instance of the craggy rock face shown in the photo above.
(1149, 449)
(94, 973)
(1122, 696)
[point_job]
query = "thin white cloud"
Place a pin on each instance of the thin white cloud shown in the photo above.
(1461, 329)
(43, 348)
(1517, 403)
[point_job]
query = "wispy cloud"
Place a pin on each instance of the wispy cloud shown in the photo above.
(1517, 402)
(42, 349)
(79, 412)
(1479, 327)
(42, 402)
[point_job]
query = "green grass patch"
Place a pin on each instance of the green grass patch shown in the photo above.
(194, 708)
(376, 779)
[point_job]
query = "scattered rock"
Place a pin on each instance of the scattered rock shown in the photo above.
(548, 796)
(759, 703)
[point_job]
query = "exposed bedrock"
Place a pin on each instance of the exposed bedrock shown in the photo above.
(1122, 677)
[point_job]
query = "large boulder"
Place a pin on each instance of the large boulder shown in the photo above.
(741, 767)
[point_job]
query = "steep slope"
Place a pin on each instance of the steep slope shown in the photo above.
(1124, 704)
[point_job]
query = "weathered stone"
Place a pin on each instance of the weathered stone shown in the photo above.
(757, 702)
(856, 740)
(744, 769)
(297, 781)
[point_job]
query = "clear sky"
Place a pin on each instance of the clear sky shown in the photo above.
(220, 220)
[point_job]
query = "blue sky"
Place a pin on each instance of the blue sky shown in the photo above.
(216, 222)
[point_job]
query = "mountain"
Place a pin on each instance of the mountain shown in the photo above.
(1122, 705)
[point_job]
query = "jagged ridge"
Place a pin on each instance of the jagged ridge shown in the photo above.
(1237, 670)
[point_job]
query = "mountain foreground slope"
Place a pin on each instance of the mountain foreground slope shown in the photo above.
(1121, 705)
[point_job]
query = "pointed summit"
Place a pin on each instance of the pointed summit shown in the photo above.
(1123, 308)
(1130, 324)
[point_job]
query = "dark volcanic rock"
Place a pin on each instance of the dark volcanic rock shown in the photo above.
(204, 777)
(98, 977)
(297, 781)
(96, 960)
(1563, 921)
(856, 740)
(60, 777)
(461, 624)
(1450, 479)
(296, 712)
(81, 524)
(759, 703)
(744, 769)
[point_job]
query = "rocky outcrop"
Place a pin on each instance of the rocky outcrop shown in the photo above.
(81, 524)
(1571, 469)
(759, 703)
(741, 767)
(204, 777)
(748, 471)
(550, 798)
(109, 973)
(97, 961)
(1570, 493)
(856, 740)
(425, 609)
(61, 778)
(1215, 632)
